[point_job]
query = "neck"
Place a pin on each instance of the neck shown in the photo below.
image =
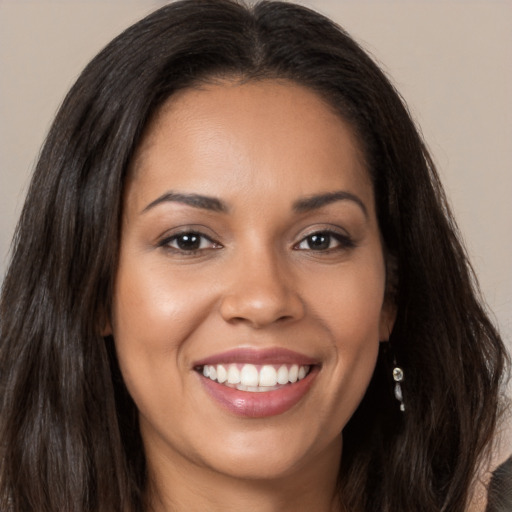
(188, 487)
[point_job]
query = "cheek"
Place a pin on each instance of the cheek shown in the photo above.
(349, 302)
(153, 314)
(154, 309)
(356, 333)
(349, 306)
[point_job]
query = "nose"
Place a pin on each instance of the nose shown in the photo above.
(260, 292)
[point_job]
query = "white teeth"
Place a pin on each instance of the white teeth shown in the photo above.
(249, 378)
(283, 375)
(249, 375)
(268, 376)
(255, 389)
(222, 374)
(293, 374)
(233, 375)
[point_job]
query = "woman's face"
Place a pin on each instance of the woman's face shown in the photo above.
(248, 304)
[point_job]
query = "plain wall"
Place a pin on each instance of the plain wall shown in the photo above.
(451, 60)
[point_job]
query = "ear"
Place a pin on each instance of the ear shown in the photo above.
(105, 325)
(387, 319)
(389, 310)
(106, 330)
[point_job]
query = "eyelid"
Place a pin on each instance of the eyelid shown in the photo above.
(345, 241)
(165, 240)
(175, 237)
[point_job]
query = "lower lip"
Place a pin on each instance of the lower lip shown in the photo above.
(259, 404)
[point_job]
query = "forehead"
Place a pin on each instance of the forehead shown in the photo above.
(225, 136)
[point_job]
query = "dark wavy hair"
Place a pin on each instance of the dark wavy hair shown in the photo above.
(69, 430)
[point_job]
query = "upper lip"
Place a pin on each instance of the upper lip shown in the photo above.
(273, 355)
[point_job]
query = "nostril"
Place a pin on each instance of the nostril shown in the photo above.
(259, 307)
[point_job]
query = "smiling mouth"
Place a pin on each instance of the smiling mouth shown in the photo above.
(251, 383)
(254, 378)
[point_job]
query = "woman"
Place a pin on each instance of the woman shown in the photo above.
(236, 284)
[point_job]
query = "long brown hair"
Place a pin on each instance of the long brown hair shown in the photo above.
(68, 428)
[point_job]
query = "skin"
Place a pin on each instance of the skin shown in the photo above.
(254, 282)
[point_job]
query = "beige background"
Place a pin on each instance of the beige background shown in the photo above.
(451, 60)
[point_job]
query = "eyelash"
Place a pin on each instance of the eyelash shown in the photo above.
(166, 242)
(343, 242)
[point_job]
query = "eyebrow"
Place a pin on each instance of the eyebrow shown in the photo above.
(194, 200)
(214, 204)
(318, 201)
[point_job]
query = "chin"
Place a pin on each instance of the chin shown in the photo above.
(271, 456)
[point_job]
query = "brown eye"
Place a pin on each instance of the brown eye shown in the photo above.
(319, 242)
(325, 241)
(189, 241)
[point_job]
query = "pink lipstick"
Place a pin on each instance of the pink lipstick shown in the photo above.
(257, 383)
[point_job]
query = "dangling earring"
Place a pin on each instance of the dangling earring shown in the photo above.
(398, 376)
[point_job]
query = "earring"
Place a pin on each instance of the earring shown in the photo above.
(398, 376)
